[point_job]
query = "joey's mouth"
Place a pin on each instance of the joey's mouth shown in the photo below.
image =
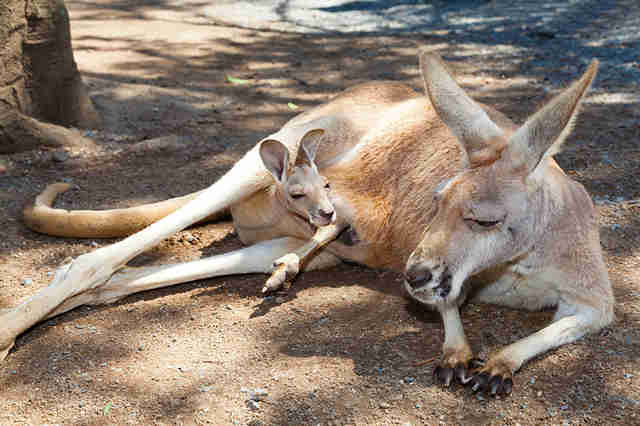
(320, 221)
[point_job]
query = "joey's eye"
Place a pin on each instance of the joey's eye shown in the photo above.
(297, 196)
(481, 224)
(487, 223)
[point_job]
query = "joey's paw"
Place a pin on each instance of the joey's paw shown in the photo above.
(493, 378)
(462, 372)
(285, 269)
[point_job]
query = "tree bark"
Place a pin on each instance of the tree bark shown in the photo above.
(39, 79)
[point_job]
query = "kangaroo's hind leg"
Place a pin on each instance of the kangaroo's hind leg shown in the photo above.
(257, 258)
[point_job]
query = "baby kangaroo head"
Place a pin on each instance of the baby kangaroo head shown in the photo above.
(495, 210)
(301, 187)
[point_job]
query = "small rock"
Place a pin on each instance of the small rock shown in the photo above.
(322, 321)
(253, 405)
(206, 388)
(258, 394)
(384, 405)
(409, 380)
(539, 394)
(27, 282)
(60, 156)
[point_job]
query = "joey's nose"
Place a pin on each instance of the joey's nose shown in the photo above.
(417, 275)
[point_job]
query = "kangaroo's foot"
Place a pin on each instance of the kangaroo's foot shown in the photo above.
(458, 365)
(495, 377)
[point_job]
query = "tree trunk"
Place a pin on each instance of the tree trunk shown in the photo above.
(39, 79)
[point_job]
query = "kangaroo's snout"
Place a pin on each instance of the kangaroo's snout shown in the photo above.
(417, 275)
(420, 277)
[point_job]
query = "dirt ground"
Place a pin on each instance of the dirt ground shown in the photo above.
(342, 346)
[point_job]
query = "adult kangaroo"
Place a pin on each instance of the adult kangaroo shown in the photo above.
(442, 188)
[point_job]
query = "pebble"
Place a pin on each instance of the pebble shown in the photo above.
(384, 405)
(253, 405)
(27, 282)
(60, 156)
(207, 388)
(409, 380)
(322, 321)
(258, 394)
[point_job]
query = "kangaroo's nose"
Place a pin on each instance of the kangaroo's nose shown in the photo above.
(417, 275)
(326, 214)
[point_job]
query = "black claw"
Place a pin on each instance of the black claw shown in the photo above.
(507, 386)
(443, 375)
(495, 385)
(461, 373)
(436, 373)
(447, 376)
(479, 382)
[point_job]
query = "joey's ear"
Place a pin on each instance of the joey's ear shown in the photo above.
(481, 138)
(275, 157)
(309, 146)
(542, 134)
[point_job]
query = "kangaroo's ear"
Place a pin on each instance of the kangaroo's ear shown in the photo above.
(275, 157)
(481, 138)
(309, 146)
(544, 133)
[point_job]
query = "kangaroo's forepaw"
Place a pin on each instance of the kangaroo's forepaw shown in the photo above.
(461, 371)
(495, 378)
(285, 269)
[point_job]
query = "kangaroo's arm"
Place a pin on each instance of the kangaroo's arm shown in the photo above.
(288, 266)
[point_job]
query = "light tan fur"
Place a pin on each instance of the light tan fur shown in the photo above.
(442, 188)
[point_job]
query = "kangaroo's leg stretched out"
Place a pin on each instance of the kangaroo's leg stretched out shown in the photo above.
(90, 271)
(257, 258)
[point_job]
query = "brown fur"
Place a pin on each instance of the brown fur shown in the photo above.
(440, 187)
